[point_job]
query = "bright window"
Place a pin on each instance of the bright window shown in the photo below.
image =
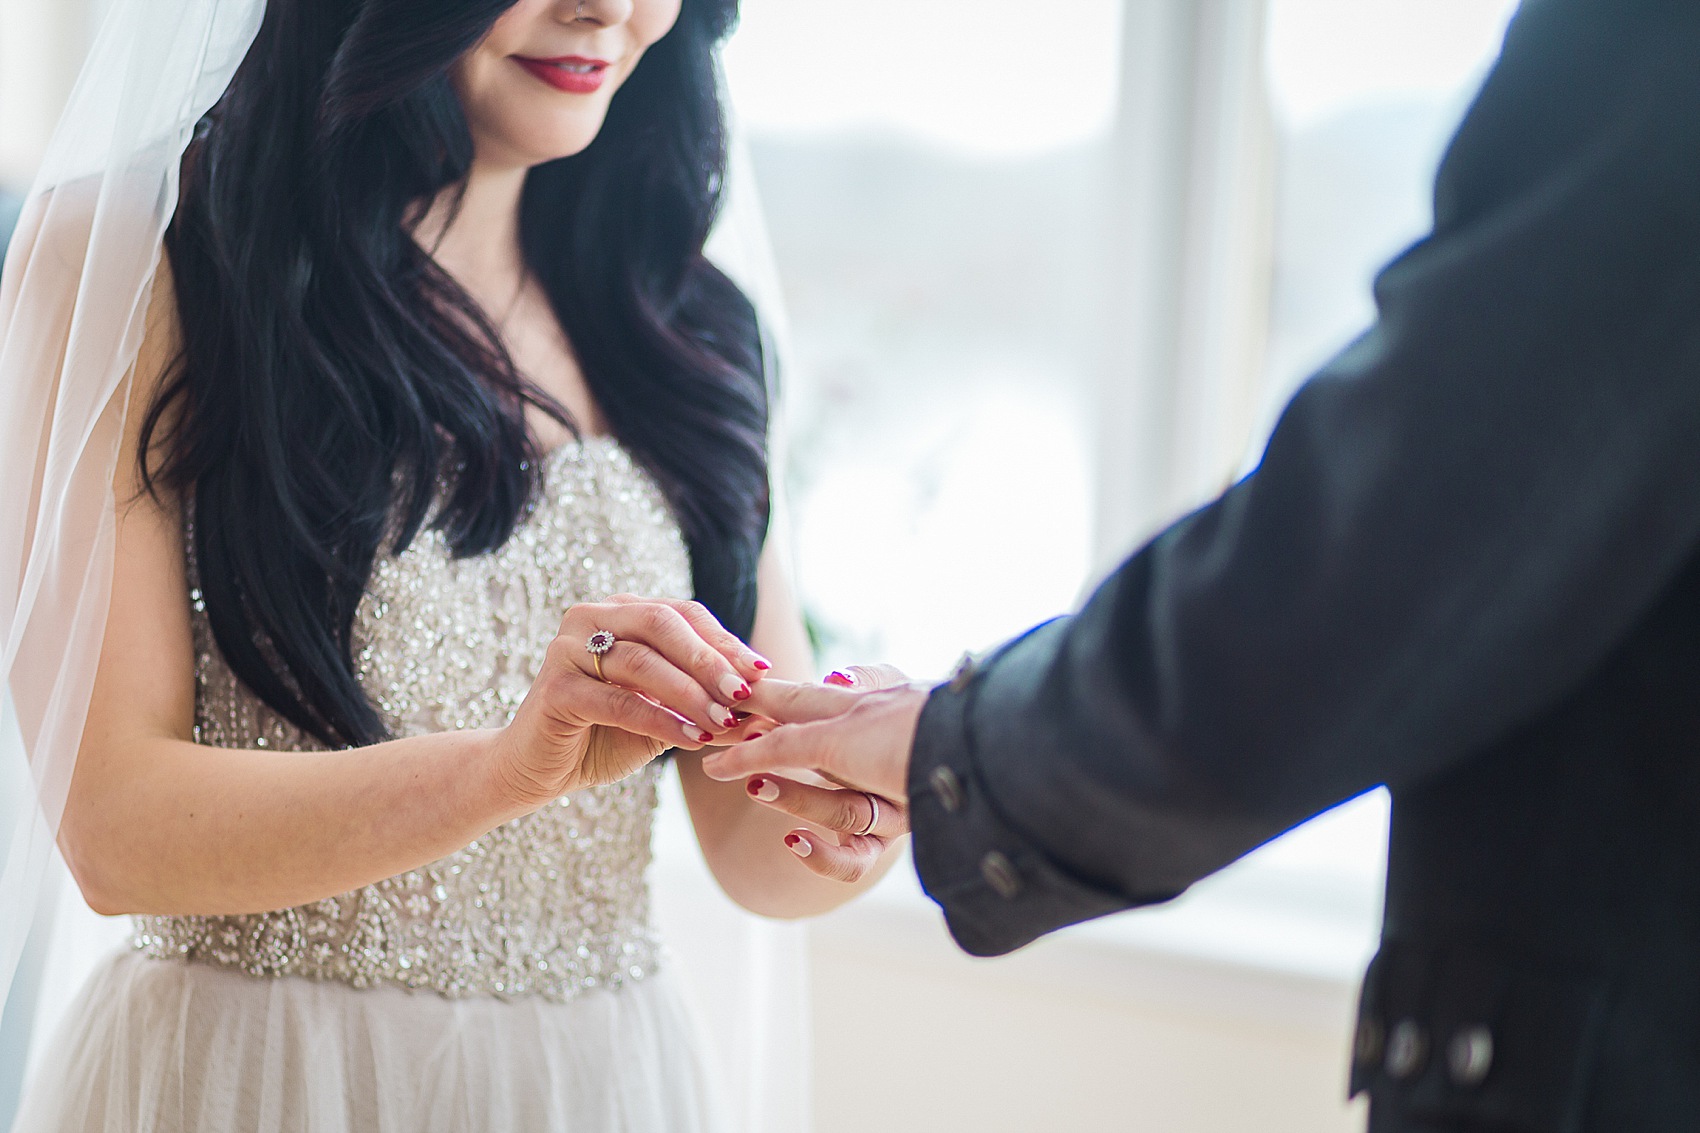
(936, 211)
(930, 195)
(1365, 96)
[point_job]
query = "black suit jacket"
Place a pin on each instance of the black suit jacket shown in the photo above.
(1466, 568)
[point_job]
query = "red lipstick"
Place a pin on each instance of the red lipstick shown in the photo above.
(571, 73)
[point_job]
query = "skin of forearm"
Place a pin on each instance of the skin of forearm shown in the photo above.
(743, 841)
(194, 830)
(744, 846)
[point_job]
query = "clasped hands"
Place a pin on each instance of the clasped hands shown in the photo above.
(853, 737)
(668, 675)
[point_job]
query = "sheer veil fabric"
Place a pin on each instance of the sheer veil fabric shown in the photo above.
(73, 300)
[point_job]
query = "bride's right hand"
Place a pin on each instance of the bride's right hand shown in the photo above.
(673, 678)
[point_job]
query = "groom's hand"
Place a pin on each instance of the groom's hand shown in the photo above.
(859, 739)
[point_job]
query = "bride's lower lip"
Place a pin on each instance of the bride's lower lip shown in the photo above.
(573, 82)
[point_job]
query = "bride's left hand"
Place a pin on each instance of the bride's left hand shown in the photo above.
(863, 825)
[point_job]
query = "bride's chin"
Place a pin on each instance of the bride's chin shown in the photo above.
(531, 156)
(545, 138)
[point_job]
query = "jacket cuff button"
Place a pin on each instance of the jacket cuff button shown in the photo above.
(947, 788)
(1370, 1041)
(1469, 1056)
(1407, 1050)
(1001, 875)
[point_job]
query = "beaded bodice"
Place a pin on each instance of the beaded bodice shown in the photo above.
(550, 904)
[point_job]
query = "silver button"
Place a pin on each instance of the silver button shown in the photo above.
(1469, 1056)
(1000, 874)
(964, 674)
(1407, 1050)
(948, 788)
(1369, 1042)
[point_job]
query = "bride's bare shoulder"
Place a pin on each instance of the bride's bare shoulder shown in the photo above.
(59, 227)
(56, 225)
(157, 356)
(86, 265)
(162, 333)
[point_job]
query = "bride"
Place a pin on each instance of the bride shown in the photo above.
(435, 378)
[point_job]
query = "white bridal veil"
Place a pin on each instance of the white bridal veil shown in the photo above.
(72, 302)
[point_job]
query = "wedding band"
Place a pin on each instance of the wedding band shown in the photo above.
(599, 644)
(873, 816)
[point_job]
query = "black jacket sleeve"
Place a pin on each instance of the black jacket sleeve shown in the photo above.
(1451, 525)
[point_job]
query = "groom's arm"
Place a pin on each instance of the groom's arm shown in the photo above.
(1451, 526)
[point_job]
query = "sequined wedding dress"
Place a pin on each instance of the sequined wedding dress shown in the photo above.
(514, 985)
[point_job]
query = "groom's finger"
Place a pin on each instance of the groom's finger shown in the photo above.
(792, 703)
(796, 747)
(843, 750)
(867, 748)
(868, 678)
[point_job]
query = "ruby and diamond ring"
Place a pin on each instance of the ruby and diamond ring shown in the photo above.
(598, 646)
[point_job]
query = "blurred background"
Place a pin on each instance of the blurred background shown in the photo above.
(1050, 271)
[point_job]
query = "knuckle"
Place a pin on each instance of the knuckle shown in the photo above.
(558, 652)
(880, 676)
(655, 620)
(824, 749)
(844, 869)
(630, 710)
(845, 815)
(551, 690)
(644, 664)
(580, 613)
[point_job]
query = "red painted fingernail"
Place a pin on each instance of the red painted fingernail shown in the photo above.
(754, 785)
(842, 680)
(705, 738)
(761, 664)
(741, 694)
(764, 790)
(752, 736)
(799, 845)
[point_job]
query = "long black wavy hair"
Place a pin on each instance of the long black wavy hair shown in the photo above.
(331, 375)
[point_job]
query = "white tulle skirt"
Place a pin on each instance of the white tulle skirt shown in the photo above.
(155, 1046)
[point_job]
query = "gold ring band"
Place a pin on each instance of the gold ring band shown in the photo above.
(600, 643)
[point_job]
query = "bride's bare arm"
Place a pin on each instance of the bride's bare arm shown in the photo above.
(156, 823)
(742, 841)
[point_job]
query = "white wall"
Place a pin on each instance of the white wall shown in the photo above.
(1075, 1033)
(41, 47)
